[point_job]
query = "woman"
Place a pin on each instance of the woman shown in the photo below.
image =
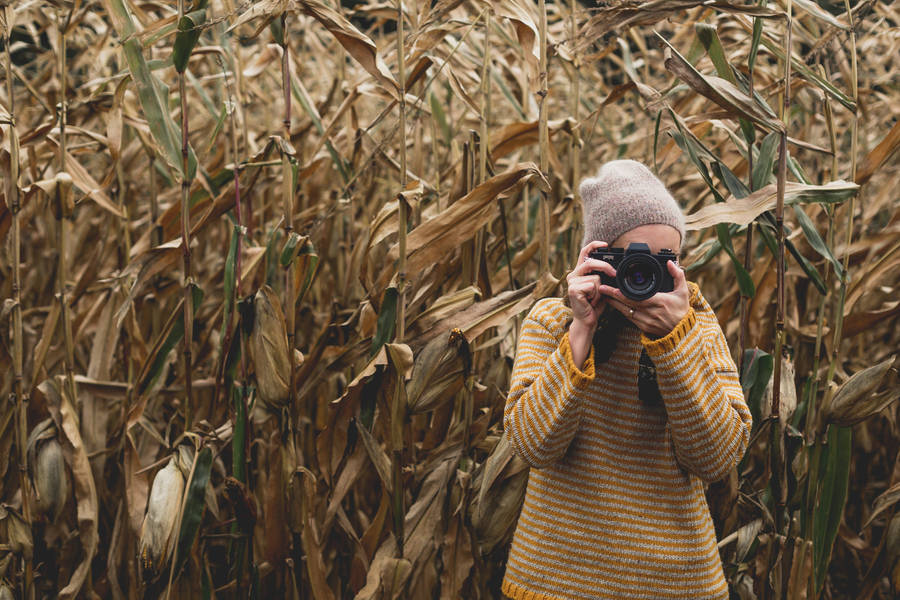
(624, 409)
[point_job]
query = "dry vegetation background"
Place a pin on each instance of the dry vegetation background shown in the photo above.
(330, 426)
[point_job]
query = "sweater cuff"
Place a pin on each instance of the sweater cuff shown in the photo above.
(670, 341)
(580, 377)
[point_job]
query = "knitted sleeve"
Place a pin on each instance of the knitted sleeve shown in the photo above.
(543, 408)
(709, 422)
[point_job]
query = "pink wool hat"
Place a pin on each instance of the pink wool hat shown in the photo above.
(625, 195)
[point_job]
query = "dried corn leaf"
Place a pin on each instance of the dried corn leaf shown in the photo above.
(267, 10)
(884, 501)
(357, 44)
(379, 458)
(434, 239)
(387, 575)
(517, 135)
(879, 155)
(721, 91)
(743, 211)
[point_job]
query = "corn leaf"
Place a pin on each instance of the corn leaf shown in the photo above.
(194, 504)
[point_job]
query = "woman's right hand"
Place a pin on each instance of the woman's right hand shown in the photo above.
(586, 300)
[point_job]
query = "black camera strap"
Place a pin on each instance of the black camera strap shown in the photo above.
(648, 388)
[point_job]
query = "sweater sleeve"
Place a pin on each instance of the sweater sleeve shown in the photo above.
(709, 421)
(543, 409)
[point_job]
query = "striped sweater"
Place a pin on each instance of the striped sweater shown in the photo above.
(615, 504)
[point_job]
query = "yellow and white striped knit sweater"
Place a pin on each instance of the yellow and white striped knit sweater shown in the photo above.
(615, 505)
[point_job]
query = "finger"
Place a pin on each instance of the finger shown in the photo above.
(585, 290)
(592, 264)
(678, 278)
(590, 248)
(615, 294)
(622, 307)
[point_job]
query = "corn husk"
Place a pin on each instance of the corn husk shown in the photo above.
(158, 528)
(501, 484)
(48, 470)
(856, 400)
(892, 551)
(439, 372)
(16, 532)
(788, 400)
(269, 349)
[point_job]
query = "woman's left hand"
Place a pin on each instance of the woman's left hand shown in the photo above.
(658, 315)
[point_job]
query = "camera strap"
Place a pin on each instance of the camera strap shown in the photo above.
(648, 388)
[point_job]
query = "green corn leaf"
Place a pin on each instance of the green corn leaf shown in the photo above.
(175, 328)
(754, 43)
(230, 277)
(230, 274)
(387, 319)
(656, 139)
(277, 31)
(815, 240)
(835, 474)
(190, 26)
(152, 93)
(758, 366)
(300, 93)
(767, 230)
(765, 160)
(290, 249)
(193, 507)
(238, 439)
(708, 36)
(507, 93)
(745, 281)
(735, 186)
(308, 263)
(810, 75)
(437, 112)
(220, 124)
(797, 170)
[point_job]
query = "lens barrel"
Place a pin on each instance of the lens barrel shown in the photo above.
(639, 276)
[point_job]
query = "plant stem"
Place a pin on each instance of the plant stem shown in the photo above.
(186, 246)
(779, 475)
(288, 198)
(854, 142)
(543, 140)
(748, 243)
(19, 398)
(398, 409)
(574, 152)
(483, 145)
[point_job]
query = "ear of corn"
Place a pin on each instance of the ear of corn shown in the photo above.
(158, 529)
(48, 470)
(269, 349)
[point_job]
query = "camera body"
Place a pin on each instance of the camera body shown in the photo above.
(640, 274)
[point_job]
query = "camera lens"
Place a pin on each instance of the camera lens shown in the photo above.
(638, 276)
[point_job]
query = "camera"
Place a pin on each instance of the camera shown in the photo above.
(639, 273)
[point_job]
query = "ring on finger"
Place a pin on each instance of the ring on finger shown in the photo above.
(630, 311)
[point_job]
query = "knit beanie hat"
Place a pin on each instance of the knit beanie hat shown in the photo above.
(625, 195)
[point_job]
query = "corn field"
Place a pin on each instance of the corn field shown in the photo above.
(264, 267)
